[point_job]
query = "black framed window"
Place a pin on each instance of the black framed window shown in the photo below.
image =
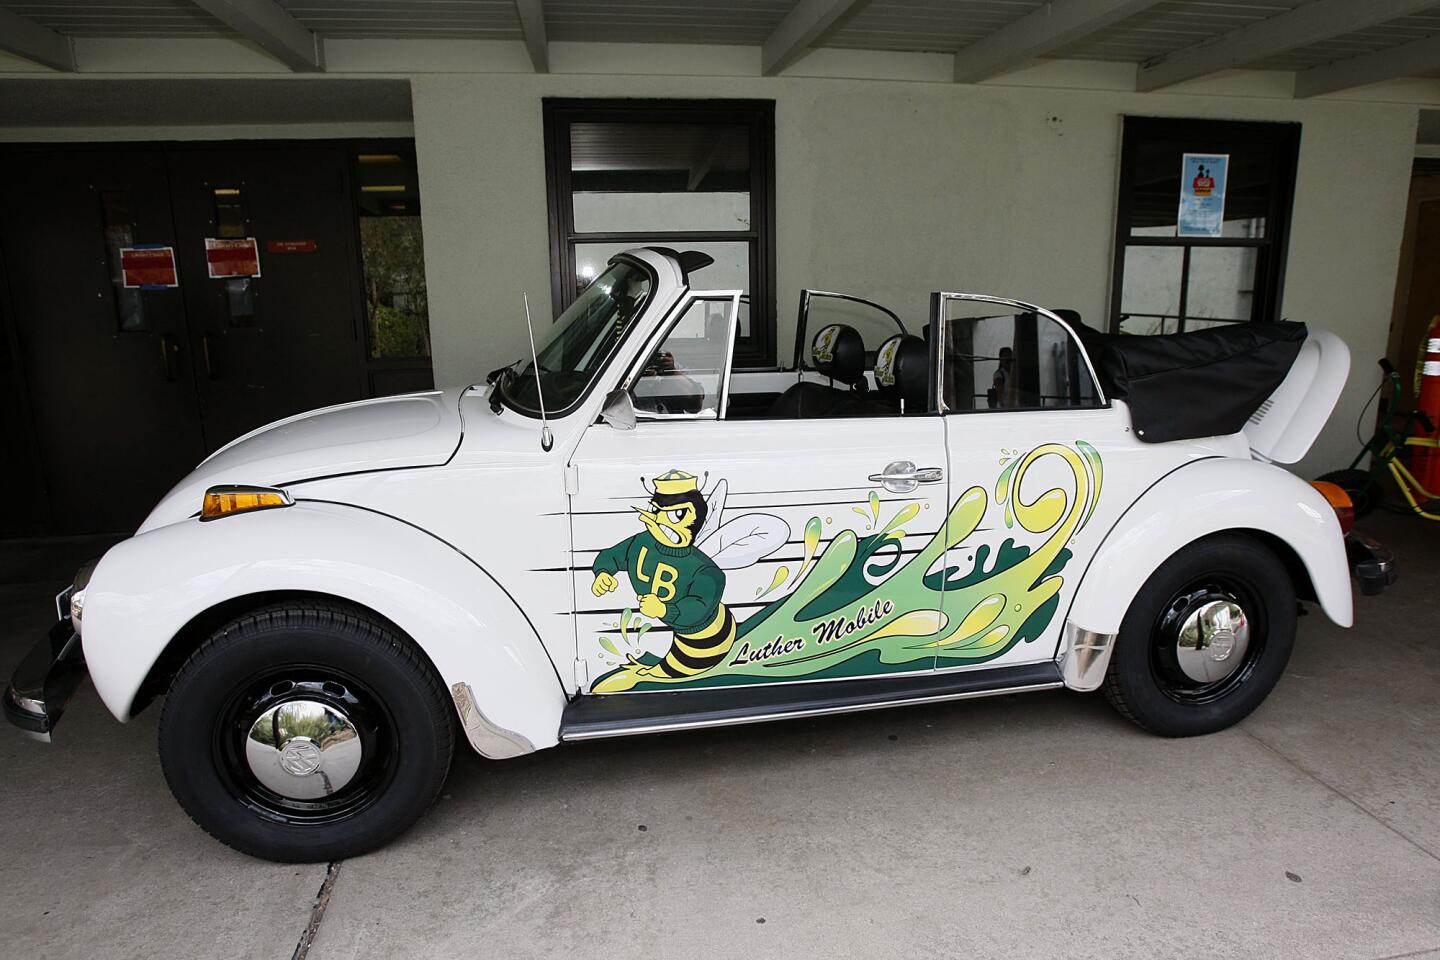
(1166, 282)
(687, 174)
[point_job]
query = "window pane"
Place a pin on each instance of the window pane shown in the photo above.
(1151, 290)
(1155, 201)
(685, 376)
(660, 177)
(730, 271)
(397, 306)
(1149, 326)
(1011, 361)
(1221, 284)
(392, 254)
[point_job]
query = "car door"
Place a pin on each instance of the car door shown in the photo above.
(714, 544)
(1047, 464)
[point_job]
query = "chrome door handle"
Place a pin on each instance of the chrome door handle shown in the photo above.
(902, 476)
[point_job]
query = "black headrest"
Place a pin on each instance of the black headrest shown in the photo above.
(902, 371)
(839, 352)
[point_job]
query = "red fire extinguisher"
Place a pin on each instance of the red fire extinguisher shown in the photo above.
(1425, 461)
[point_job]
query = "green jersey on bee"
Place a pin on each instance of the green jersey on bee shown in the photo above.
(676, 565)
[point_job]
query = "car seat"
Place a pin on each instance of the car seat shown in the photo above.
(838, 352)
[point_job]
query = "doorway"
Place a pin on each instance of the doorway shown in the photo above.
(162, 300)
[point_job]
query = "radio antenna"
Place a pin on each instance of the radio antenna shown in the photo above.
(546, 439)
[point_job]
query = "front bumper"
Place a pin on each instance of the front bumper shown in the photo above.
(1371, 564)
(45, 681)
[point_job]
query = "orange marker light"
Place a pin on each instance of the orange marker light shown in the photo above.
(229, 500)
(1336, 496)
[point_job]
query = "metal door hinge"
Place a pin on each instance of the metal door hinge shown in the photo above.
(572, 479)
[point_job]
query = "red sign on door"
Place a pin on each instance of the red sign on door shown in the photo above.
(289, 246)
(232, 258)
(149, 267)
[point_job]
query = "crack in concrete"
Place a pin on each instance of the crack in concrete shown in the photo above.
(1414, 953)
(1350, 800)
(317, 911)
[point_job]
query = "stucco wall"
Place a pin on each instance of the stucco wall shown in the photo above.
(894, 189)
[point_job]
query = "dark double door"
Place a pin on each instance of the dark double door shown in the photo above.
(124, 390)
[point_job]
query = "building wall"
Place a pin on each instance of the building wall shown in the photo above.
(891, 181)
(893, 189)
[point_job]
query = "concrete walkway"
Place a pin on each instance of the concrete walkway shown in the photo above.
(1035, 826)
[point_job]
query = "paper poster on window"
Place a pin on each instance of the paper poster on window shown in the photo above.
(1202, 194)
(148, 267)
(232, 258)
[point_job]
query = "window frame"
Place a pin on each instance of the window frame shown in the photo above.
(1209, 136)
(938, 324)
(758, 349)
(655, 342)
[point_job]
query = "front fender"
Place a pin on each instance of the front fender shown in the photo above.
(1211, 496)
(146, 589)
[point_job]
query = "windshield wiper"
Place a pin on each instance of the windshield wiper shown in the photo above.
(499, 377)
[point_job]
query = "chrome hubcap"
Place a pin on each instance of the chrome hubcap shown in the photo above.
(304, 749)
(1213, 640)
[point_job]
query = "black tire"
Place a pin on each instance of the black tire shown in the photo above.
(310, 655)
(1146, 681)
(1354, 482)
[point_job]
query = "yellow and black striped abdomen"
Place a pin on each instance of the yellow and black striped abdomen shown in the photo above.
(694, 653)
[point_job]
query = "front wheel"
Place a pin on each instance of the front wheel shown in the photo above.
(1206, 638)
(305, 732)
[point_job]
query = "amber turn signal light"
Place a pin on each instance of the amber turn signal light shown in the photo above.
(229, 500)
(1338, 499)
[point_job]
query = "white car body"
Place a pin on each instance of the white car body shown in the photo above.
(451, 521)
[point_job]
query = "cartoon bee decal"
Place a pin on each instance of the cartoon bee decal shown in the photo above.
(679, 583)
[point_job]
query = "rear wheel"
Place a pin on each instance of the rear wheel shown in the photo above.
(1366, 494)
(1206, 638)
(305, 732)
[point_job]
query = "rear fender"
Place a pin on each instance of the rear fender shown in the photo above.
(148, 588)
(1205, 497)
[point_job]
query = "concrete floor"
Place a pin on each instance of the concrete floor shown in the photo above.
(1034, 826)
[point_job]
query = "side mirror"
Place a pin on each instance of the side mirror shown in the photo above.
(619, 410)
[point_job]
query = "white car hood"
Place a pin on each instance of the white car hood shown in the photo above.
(414, 430)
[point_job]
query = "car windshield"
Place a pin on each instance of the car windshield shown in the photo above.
(575, 348)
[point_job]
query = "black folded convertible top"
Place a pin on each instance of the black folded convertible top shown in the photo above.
(1205, 383)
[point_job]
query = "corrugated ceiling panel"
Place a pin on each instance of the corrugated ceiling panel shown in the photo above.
(120, 18)
(1382, 37)
(1173, 25)
(927, 25)
(470, 19)
(665, 21)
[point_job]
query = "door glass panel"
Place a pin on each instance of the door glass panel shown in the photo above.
(392, 255)
(120, 232)
(1011, 361)
(685, 377)
(230, 220)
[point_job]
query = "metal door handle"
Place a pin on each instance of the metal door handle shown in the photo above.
(205, 352)
(168, 349)
(902, 476)
(918, 475)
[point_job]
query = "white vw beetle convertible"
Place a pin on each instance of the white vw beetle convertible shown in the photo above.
(621, 534)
